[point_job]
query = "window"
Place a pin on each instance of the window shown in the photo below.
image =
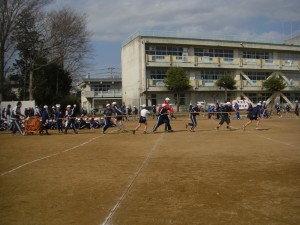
(164, 50)
(100, 87)
(292, 96)
(254, 75)
(158, 58)
(210, 75)
(253, 97)
(265, 96)
(257, 55)
(181, 99)
(210, 52)
(288, 56)
(153, 99)
(158, 74)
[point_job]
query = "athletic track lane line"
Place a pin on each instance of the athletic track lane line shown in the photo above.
(276, 141)
(131, 183)
(49, 156)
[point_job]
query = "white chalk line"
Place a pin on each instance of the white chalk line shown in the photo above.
(131, 183)
(281, 142)
(49, 156)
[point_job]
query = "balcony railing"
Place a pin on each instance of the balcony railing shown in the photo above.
(197, 83)
(109, 93)
(102, 94)
(224, 61)
(156, 83)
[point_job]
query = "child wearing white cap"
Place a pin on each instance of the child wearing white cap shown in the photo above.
(168, 127)
(225, 110)
(254, 114)
(45, 117)
(143, 119)
(118, 117)
(194, 111)
(108, 112)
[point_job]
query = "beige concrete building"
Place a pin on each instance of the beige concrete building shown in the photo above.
(146, 58)
(96, 92)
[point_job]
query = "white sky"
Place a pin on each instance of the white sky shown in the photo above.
(112, 21)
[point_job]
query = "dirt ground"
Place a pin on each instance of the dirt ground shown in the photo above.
(207, 177)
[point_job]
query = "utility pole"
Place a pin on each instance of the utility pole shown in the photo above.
(111, 71)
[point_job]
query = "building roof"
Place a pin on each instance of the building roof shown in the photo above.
(101, 78)
(204, 37)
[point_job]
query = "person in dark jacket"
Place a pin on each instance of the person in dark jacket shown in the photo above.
(108, 112)
(45, 117)
(237, 110)
(265, 113)
(254, 113)
(31, 111)
(59, 118)
(124, 109)
(71, 116)
(194, 111)
(118, 116)
(225, 111)
(162, 118)
(17, 116)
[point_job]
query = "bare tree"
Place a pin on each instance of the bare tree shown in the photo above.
(29, 43)
(69, 39)
(61, 38)
(10, 11)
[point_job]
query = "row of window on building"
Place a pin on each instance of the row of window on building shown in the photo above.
(255, 97)
(161, 74)
(216, 52)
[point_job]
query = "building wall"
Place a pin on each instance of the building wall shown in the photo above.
(133, 72)
(138, 86)
(98, 99)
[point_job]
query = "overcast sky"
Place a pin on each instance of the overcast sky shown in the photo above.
(112, 21)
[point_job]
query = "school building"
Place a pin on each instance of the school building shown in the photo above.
(146, 57)
(97, 91)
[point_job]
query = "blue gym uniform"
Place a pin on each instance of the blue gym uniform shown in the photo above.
(45, 117)
(162, 118)
(71, 120)
(107, 119)
(194, 111)
(118, 112)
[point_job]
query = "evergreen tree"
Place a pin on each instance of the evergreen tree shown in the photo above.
(177, 81)
(51, 84)
(226, 82)
(274, 84)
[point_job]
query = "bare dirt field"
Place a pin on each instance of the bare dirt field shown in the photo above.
(207, 177)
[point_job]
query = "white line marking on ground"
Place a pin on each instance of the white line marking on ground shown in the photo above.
(281, 142)
(130, 184)
(49, 156)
